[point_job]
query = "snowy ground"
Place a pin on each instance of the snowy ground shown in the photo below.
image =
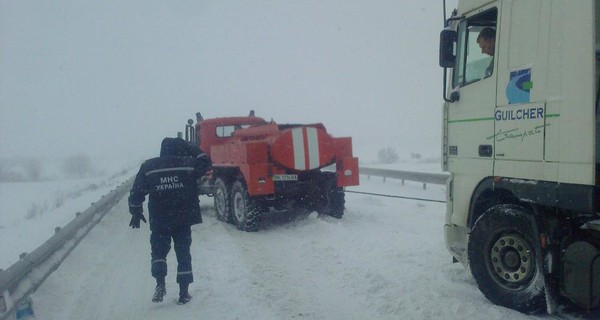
(30, 211)
(385, 259)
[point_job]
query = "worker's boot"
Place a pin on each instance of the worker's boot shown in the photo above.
(184, 295)
(160, 291)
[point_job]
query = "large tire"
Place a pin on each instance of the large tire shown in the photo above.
(503, 258)
(222, 200)
(335, 203)
(333, 198)
(245, 212)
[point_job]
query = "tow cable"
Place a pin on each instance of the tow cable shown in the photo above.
(392, 196)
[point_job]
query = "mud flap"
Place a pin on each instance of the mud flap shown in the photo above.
(581, 274)
(546, 261)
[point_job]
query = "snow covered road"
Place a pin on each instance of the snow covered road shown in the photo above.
(386, 259)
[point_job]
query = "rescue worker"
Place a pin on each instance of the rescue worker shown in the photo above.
(171, 182)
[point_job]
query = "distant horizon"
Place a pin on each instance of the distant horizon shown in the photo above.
(111, 79)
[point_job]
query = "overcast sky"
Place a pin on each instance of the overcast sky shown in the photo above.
(113, 77)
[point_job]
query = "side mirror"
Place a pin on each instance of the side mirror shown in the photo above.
(447, 45)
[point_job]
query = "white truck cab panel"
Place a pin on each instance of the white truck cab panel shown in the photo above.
(520, 140)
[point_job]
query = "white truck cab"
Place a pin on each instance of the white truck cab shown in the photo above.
(520, 140)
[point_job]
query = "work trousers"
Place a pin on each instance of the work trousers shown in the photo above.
(160, 242)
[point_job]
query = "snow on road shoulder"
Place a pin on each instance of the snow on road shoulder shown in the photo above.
(385, 259)
(30, 211)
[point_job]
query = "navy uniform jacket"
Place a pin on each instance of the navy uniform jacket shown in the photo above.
(171, 183)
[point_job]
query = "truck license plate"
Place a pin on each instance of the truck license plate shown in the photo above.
(285, 177)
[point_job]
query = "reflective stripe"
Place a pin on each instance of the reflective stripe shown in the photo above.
(159, 260)
(184, 272)
(170, 169)
(313, 148)
(306, 148)
(298, 144)
(135, 205)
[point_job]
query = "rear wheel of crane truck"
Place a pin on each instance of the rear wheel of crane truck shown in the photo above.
(503, 258)
(332, 197)
(245, 211)
(222, 200)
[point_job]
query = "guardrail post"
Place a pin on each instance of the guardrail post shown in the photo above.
(424, 186)
(25, 309)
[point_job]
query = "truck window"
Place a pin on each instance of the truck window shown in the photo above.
(225, 131)
(476, 49)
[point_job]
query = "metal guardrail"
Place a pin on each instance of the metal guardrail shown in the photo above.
(425, 178)
(25, 276)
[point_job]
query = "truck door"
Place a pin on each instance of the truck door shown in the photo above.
(520, 116)
(470, 118)
(545, 116)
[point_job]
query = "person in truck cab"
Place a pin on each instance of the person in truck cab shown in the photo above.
(487, 42)
(171, 183)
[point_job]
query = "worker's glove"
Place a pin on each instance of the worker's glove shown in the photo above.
(135, 220)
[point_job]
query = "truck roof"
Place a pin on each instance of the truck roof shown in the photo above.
(224, 121)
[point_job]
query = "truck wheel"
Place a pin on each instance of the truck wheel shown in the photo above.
(222, 201)
(333, 203)
(503, 258)
(245, 211)
(336, 203)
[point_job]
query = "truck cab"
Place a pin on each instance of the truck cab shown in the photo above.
(520, 140)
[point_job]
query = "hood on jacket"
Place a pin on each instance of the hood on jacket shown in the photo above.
(176, 147)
